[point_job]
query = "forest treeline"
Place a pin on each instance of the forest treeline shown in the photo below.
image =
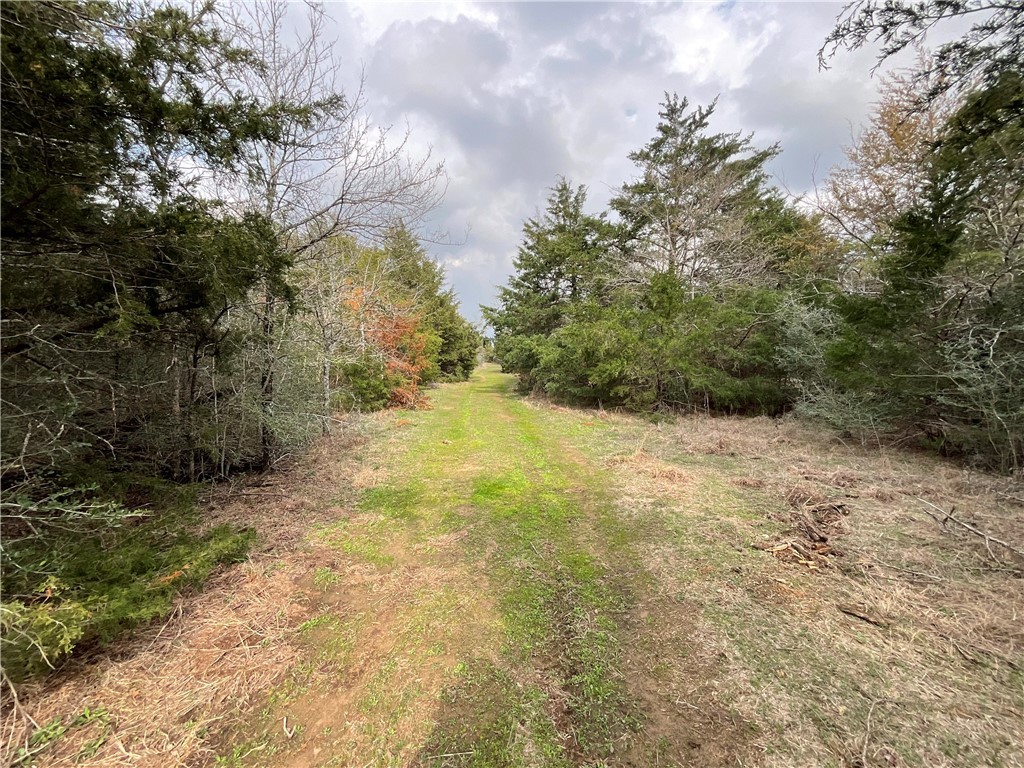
(209, 251)
(891, 303)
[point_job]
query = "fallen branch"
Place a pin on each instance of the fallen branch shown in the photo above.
(1016, 499)
(449, 754)
(857, 613)
(948, 517)
(867, 735)
(907, 570)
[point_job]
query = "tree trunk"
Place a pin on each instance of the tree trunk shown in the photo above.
(326, 382)
(267, 441)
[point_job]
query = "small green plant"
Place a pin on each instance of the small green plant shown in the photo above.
(325, 578)
(317, 621)
(47, 735)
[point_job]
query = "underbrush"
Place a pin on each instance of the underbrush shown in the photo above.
(79, 579)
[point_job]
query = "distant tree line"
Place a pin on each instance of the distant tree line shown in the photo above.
(893, 303)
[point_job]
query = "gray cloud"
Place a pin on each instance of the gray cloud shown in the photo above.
(513, 95)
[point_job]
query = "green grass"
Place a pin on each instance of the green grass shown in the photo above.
(491, 722)
(363, 542)
(70, 590)
(324, 578)
(514, 595)
(485, 463)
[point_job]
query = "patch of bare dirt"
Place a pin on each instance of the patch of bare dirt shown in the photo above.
(412, 623)
(675, 678)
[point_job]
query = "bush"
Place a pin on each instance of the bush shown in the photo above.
(669, 350)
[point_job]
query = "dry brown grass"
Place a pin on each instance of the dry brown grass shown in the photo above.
(168, 688)
(901, 645)
(164, 689)
(648, 466)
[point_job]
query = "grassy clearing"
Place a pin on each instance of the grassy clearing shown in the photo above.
(503, 576)
(504, 582)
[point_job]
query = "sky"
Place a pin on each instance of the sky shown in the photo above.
(513, 95)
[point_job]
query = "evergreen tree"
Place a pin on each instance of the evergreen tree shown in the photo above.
(117, 276)
(685, 215)
(562, 261)
(992, 43)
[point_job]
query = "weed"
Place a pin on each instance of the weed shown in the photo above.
(45, 737)
(238, 754)
(73, 590)
(325, 578)
(324, 619)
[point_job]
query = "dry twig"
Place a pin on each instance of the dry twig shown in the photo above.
(989, 539)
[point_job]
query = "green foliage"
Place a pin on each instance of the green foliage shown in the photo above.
(37, 636)
(154, 335)
(560, 263)
(937, 352)
(365, 385)
(456, 354)
(663, 310)
(417, 280)
(991, 45)
(66, 590)
(48, 735)
(671, 350)
(713, 293)
(115, 269)
(687, 212)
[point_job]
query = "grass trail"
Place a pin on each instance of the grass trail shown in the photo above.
(474, 610)
(519, 584)
(500, 581)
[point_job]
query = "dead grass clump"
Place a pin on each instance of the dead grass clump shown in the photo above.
(720, 447)
(748, 482)
(739, 436)
(881, 493)
(800, 495)
(839, 478)
(825, 521)
(648, 466)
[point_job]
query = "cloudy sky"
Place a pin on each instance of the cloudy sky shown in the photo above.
(512, 95)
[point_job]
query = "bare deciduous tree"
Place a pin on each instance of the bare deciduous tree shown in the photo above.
(330, 172)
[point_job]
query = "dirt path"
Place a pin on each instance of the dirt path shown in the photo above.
(498, 581)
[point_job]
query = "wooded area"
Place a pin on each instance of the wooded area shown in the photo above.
(212, 254)
(209, 252)
(890, 304)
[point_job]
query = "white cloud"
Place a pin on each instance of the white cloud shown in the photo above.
(716, 42)
(375, 18)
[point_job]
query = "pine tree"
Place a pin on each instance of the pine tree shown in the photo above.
(686, 213)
